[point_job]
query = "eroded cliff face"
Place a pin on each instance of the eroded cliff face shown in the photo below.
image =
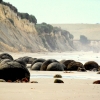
(20, 35)
(57, 42)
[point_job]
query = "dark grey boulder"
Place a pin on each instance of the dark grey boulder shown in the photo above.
(26, 59)
(22, 59)
(66, 63)
(36, 66)
(38, 60)
(90, 65)
(46, 63)
(73, 66)
(55, 66)
(13, 71)
(6, 56)
(21, 62)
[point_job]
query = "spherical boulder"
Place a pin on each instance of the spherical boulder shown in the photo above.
(20, 60)
(6, 56)
(73, 66)
(26, 59)
(46, 63)
(13, 71)
(38, 60)
(23, 63)
(55, 66)
(66, 63)
(90, 65)
(36, 66)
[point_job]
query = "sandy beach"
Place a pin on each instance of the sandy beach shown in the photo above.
(76, 86)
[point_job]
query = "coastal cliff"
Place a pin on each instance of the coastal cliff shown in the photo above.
(20, 35)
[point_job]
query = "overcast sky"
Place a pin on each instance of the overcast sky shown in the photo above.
(60, 11)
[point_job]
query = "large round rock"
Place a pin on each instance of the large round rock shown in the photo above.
(38, 60)
(6, 56)
(55, 66)
(36, 66)
(90, 65)
(73, 66)
(26, 59)
(13, 71)
(46, 63)
(66, 63)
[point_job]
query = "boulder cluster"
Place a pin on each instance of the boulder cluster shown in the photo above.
(16, 70)
(63, 65)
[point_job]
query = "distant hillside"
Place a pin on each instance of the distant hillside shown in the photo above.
(91, 31)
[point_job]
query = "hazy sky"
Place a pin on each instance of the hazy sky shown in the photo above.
(60, 11)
